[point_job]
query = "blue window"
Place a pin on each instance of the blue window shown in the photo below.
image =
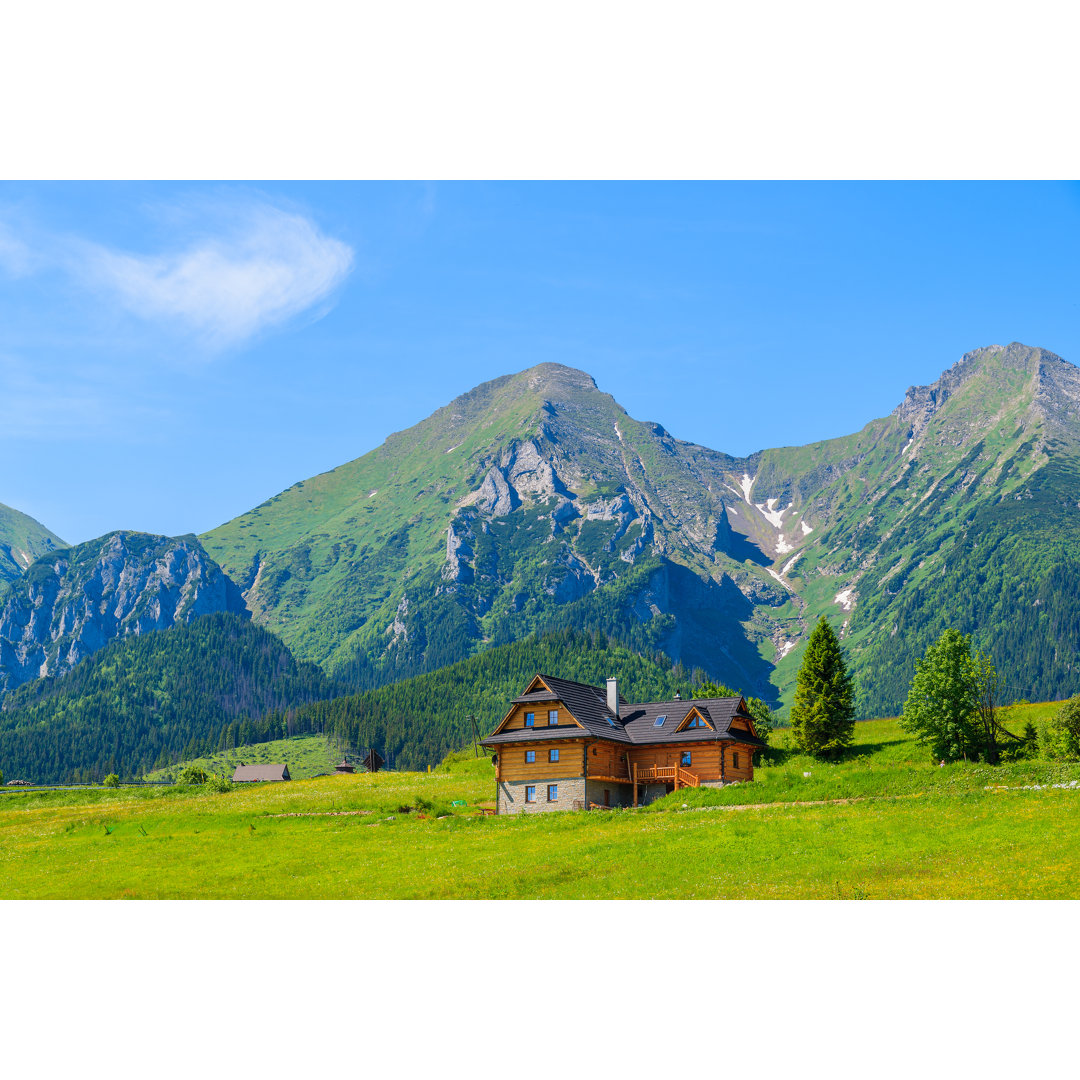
(553, 717)
(530, 793)
(553, 792)
(530, 719)
(685, 759)
(659, 721)
(697, 722)
(553, 755)
(530, 755)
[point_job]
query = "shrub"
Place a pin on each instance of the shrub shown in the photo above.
(1061, 738)
(194, 774)
(219, 783)
(112, 780)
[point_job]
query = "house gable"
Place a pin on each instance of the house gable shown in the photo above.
(694, 719)
(545, 700)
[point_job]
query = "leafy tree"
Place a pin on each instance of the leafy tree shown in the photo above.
(193, 774)
(987, 698)
(763, 720)
(710, 689)
(112, 780)
(942, 699)
(952, 704)
(1062, 735)
(823, 713)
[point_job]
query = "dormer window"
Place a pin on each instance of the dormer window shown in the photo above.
(530, 719)
(553, 717)
(697, 722)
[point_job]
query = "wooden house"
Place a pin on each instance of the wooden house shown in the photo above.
(567, 746)
(253, 774)
(343, 766)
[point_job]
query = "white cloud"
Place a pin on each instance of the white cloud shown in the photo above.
(265, 267)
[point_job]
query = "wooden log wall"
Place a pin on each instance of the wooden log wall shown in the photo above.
(513, 768)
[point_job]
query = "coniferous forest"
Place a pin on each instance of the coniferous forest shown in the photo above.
(149, 701)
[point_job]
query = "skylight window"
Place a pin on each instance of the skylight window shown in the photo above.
(659, 721)
(610, 721)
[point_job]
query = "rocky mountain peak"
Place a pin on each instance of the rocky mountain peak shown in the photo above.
(1000, 366)
(70, 603)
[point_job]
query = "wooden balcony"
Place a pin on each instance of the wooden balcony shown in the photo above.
(664, 774)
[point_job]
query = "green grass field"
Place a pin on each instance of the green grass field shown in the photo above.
(907, 829)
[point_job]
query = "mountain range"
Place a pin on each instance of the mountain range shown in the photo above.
(534, 502)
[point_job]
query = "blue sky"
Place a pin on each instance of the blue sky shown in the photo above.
(172, 355)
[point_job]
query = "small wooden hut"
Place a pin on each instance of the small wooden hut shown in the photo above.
(343, 766)
(373, 762)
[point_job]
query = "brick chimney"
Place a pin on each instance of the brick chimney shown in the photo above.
(613, 696)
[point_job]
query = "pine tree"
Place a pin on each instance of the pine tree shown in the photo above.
(823, 714)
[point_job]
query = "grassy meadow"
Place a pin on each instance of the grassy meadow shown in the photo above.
(884, 823)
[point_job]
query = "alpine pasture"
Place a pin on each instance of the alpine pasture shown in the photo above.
(883, 822)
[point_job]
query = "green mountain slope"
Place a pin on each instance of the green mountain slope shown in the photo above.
(483, 522)
(535, 502)
(22, 540)
(147, 700)
(955, 510)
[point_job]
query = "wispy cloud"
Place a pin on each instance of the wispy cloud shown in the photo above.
(229, 269)
(15, 256)
(263, 268)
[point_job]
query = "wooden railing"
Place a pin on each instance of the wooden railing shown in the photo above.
(687, 779)
(645, 773)
(674, 774)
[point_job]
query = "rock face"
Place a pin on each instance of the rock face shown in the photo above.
(70, 603)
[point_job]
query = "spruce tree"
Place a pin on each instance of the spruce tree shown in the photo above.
(823, 714)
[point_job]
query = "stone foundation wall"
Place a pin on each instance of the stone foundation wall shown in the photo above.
(510, 798)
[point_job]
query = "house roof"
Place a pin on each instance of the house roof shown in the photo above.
(635, 722)
(261, 772)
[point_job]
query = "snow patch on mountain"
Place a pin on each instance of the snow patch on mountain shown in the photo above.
(746, 483)
(806, 529)
(771, 514)
(845, 598)
(769, 570)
